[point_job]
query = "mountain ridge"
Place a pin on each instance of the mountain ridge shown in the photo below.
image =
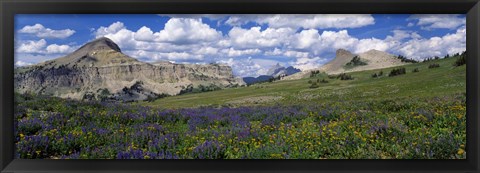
(278, 70)
(373, 59)
(101, 66)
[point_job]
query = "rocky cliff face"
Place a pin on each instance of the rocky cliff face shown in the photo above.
(99, 70)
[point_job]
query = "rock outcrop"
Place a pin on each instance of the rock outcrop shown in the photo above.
(372, 59)
(100, 70)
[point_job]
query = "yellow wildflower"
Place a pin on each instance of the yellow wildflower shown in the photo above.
(460, 151)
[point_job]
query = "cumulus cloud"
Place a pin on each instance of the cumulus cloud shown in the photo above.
(144, 34)
(308, 63)
(364, 45)
(421, 48)
(249, 66)
(308, 21)
(32, 46)
(153, 56)
(40, 31)
(118, 33)
(433, 21)
(233, 52)
(113, 28)
(186, 31)
(306, 38)
(41, 47)
(55, 48)
(254, 37)
(176, 31)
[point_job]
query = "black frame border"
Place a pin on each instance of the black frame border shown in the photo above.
(8, 8)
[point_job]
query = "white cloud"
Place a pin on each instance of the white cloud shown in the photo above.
(308, 21)
(248, 66)
(144, 34)
(180, 31)
(54, 48)
(308, 63)
(206, 51)
(113, 28)
(32, 46)
(177, 34)
(41, 47)
(420, 48)
(364, 45)
(187, 31)
(172, 56)
(306, 38)
(338, 40)
(254, 38)
(40, 31)
(432, 21)
(21, 63)
(274, 52)
(118, 33)
(233, 52)
(295, 54)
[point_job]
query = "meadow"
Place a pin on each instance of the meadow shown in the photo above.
(417, 115)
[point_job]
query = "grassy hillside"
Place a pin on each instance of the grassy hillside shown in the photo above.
(444, 80)
(417, 115)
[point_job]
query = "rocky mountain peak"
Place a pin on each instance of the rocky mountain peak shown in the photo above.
(102, 43)
(277, 65)
(374, 52)
(99, 52)
(278, 70)
(343, 53)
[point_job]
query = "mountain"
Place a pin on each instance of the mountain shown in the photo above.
(346, 61)
(275, 69)
(290, 70)
(372, 59)
(252, 80)
(278, 70)
(100, 70)
(273, 72)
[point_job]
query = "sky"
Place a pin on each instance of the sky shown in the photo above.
(249, 43)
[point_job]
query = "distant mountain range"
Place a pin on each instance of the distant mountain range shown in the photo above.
(99, 70)
(252, 80)
(274, 72)
(279, 70)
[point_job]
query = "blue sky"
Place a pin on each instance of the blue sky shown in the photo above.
(249, 43)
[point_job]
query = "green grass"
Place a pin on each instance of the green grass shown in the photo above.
(444, 80)
(412, 116)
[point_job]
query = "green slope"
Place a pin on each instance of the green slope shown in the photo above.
(445, 80)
